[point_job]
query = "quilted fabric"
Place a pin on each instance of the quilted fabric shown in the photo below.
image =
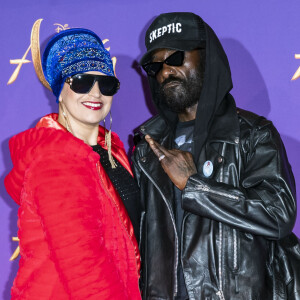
(76, 240)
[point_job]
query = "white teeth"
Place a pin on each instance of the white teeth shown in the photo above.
(92, 104)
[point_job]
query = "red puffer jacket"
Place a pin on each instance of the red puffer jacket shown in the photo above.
(76, 239)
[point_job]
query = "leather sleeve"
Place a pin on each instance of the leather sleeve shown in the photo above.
(136, 170)
(137, 174)
(264, 204)
(66, 196)
(142, 234)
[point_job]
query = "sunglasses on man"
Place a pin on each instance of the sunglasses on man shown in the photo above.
(175, 59)
(83, 83)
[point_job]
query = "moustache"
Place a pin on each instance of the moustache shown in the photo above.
(171, 78)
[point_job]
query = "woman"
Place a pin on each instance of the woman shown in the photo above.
(76, 239)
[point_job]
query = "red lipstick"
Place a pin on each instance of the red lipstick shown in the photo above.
(92, 105)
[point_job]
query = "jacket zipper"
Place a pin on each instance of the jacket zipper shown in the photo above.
(112, 200)
(234, 250)
(235, 233)
(205, 188)
(181, 243)
(220, 293)
(175, 231)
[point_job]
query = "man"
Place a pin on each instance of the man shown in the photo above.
(216, 185)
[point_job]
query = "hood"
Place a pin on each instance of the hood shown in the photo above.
(214, 95)
(49, 135)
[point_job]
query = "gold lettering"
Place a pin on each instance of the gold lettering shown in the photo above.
(18, 62)
(104, 42)
(297, 73)
(60, 27)
(23, 60)
(114, 59)
(17, 251)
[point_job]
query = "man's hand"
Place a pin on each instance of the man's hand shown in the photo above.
(178, 165)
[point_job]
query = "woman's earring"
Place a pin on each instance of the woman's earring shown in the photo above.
(104, 126)
(68, 125)
(108, 142)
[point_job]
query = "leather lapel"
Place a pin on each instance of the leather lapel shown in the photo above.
(154, 170)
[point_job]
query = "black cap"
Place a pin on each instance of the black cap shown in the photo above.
(177, 30)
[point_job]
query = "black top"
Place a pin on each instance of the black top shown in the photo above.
(184, 142)
(125, 185)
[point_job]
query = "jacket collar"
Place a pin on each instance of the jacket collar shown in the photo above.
(156, 127)
(225, 126)
(117, 148)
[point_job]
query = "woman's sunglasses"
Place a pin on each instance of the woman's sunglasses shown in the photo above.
(83, 83)
(175, 59)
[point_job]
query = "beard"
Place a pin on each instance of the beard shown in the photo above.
(183, 93)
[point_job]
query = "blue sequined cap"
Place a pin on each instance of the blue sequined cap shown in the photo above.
(74, 51)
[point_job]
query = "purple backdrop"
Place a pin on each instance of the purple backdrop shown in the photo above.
(260, 39)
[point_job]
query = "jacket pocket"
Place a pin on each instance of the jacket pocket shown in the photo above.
(234, 256)
(235, 250)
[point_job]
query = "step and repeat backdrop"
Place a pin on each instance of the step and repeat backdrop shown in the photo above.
(261, 39)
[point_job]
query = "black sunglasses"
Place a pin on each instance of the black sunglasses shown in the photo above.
(83, 83)
(175, 59)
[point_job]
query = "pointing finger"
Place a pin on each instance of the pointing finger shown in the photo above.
(158, 149)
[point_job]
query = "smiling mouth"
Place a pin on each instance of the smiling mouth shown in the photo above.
(93, 105)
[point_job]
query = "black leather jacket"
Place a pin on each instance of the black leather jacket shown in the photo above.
(230, 218)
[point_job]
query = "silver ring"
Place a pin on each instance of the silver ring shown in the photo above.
(161, 157)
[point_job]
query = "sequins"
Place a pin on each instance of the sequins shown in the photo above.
(77, 52)
(123, 182)
(81, 67)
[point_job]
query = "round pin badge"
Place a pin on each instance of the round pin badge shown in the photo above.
(208, 168)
